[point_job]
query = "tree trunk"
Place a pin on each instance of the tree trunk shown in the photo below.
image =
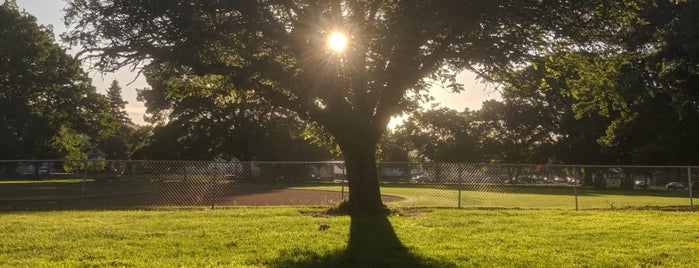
(360, 161)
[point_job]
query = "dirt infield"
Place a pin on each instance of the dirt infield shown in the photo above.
(187, 197)
(292, 197)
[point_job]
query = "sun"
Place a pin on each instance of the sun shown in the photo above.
(337, 42)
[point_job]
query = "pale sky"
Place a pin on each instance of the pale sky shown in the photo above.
(51, 12)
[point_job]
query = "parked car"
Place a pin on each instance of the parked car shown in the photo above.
(675, 185)
(44, 169)
(421, 177)
(641, 184)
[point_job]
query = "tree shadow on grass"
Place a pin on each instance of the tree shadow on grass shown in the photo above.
(372, 243)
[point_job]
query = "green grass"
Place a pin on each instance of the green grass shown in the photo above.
(521, 196)
(285, 237)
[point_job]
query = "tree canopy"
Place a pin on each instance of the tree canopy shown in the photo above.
(642, 81)
(199, 118)
(631, 98)
(48, 109)
(278, 51)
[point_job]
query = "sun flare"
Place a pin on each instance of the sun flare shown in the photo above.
(337, 42)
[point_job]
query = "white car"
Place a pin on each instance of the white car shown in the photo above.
(422, 177)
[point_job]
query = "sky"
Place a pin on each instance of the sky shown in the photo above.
(50, 12)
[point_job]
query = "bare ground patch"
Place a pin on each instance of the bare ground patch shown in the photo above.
(189, 197)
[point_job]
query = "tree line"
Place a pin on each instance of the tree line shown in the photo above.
(630, 98)
(50, 110)
(595, 81)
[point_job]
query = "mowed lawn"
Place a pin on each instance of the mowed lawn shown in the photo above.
(290, 237)
(524, 196)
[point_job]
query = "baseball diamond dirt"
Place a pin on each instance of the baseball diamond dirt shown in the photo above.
(186, 197)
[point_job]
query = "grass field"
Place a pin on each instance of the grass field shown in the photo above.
(524, 196)
(289, 237)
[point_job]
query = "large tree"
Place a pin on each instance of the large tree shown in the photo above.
(279, 51)
(48, 108)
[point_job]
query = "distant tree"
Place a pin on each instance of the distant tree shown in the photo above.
(278, 51)
(442, 135)
(394, 147)
(116, 146)
(67, 144)
(116, 103)
(48, 109)
(503, 139)
(138, 140)
(530, 125)
(536, 122)
(128, 138)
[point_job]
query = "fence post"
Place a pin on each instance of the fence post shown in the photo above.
(691, 186)
(459, 202)
(82, 192)
(213, 192)
(575, 193)
(460, 185)
(342, 179)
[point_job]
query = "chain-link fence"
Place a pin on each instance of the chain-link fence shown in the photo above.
(100, 184)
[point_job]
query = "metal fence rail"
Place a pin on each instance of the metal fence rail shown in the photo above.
(101, 184)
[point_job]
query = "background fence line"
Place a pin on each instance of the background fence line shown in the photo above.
(115, 184)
